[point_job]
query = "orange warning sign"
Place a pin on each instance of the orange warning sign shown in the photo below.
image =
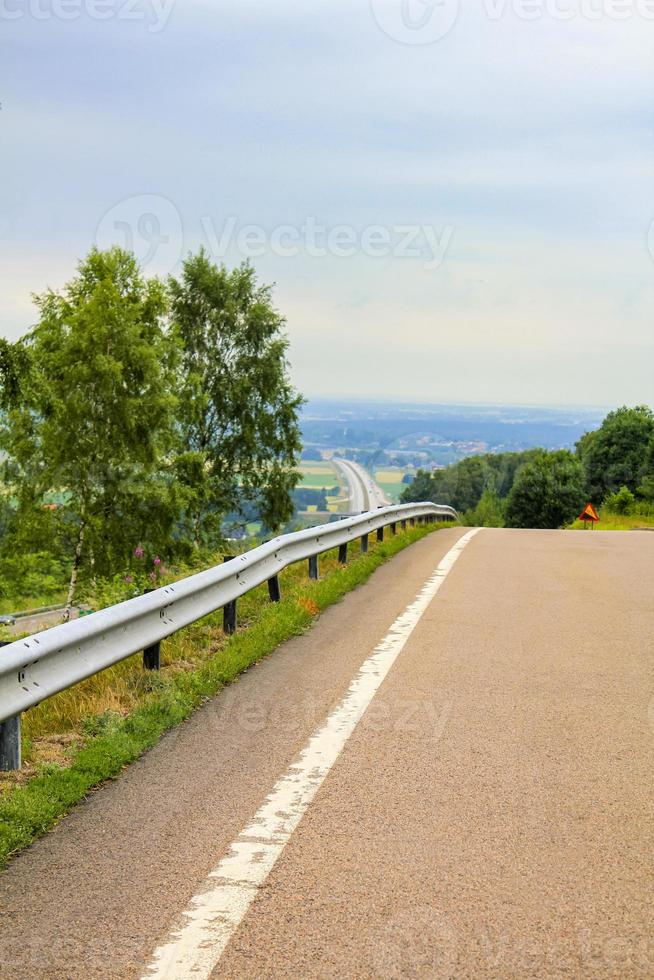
(588, 514)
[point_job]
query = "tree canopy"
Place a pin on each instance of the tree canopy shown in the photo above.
(548, 491)
(137, 414)
(615, 454)
(240, 438)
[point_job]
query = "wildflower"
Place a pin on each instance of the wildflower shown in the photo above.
(156, 561)
(153, 576)
(138, 552)
(128, 580)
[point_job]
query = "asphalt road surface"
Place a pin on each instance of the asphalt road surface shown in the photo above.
(40, 621)
(365, 494)
(450, 775)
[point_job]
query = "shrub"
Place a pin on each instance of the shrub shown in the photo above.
(620, 502)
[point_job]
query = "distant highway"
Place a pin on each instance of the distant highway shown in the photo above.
(40, 621)
(365, 494)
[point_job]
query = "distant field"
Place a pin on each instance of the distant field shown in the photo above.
(390, 480)
(318, 475)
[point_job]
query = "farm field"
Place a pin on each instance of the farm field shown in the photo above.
(317, 475)
(390, 480)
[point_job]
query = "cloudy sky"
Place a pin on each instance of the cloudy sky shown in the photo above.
(453, 199)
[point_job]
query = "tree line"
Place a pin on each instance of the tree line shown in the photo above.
(141, 415)
(611, 466)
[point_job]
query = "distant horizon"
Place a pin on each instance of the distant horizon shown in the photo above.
(463, 403)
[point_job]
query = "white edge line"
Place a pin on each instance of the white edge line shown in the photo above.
(217, 910)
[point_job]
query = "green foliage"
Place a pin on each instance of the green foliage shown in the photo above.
(617, 453)
(32, 574)
(238, 411)
(489, 511)
(420, 488)
(136, 413)
(92, 416)
(646, 487)
(620, 502)
(463, 484)
(548, 491)
(142, 572)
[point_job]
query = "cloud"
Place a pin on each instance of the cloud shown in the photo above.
(532, 140)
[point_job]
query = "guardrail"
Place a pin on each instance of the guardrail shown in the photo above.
(38, 666)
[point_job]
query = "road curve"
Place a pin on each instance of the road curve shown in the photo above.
(490, 815)
(365, 494)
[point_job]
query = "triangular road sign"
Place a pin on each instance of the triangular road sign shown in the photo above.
(588, 514)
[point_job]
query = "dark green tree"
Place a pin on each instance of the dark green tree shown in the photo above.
(420, 488)
(240, 437)
(89, 411)
(548, 491)
(489, 511)
(615, 454)
(646, 486)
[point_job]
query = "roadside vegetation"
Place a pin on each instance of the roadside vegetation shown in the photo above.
(141, 414)
(83, 736)
(612, 467)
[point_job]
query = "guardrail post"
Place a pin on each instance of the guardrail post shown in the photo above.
(364, 543)
(412, 521)
(152, 655)
(313, 567)
(380, 533)
(393, 527)
(229, 609)
(10, 744)
(342, 553)
(274, 591)
(9, 738)
(403, 523)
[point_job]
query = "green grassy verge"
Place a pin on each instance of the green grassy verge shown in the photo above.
(111, 741)
(617, 522)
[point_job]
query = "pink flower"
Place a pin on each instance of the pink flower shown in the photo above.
(138, 552)
(153, 576)
(156, 561)
(128, 579)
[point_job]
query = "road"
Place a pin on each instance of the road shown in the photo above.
(365, 494)
(40, 621)
(450, 775)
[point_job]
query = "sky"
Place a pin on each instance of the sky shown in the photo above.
(454, 199)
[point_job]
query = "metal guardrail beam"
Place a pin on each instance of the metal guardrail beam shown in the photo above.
(38, 666)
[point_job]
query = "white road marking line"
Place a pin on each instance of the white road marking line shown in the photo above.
(216, 912)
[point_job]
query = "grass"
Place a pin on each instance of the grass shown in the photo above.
(390, 480)
(90, 733)
(617, 522)
(317, 475)
(36, 601)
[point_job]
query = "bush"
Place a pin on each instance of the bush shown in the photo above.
(37, 574)
(488, 512)
(548, 491)
(621, 502)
